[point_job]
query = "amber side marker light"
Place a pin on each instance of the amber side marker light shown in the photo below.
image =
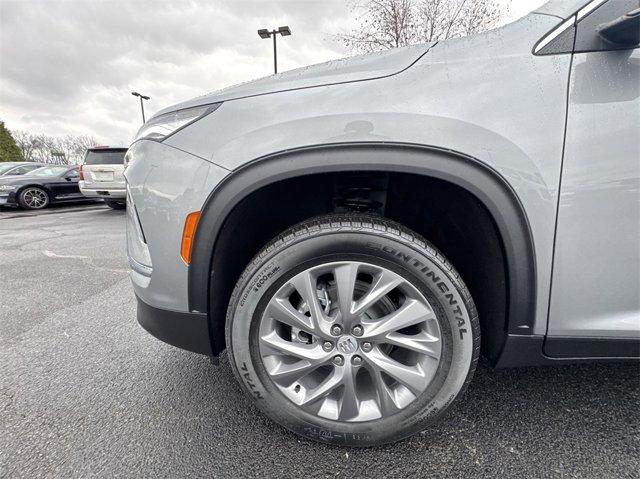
(190, 224)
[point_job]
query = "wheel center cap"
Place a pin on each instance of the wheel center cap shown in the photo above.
(347, 344)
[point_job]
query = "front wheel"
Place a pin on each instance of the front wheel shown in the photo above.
(353, 330)
(33, 198)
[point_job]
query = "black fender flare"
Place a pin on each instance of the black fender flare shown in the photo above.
(476, 177)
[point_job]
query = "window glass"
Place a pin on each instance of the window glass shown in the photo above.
(6, 167)
(587, 38)
(105, 157)
(49, 171)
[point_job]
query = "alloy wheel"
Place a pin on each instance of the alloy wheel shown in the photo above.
(350, 341)
(35, 198)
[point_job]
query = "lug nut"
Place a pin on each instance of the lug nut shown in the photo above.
(357, 330)
(327, 346)
(338, 360)
(336, 330)
(356, 360)
(366, 347)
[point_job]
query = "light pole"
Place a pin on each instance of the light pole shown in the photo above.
(142, 97)
(264, 34)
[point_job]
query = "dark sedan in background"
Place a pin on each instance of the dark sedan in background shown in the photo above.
(41, 187)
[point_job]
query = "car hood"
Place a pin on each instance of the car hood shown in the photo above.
(357, 68)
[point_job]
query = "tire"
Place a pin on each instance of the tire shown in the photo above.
(116, 205)
(365, 254)
(33, 198)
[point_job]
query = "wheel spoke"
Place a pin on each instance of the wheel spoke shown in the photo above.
(330, 383)
(287, 373)
(281, 310)
(410, 376)
(386, 401)
(410, 313)
(349, 404)
(383, 283)
(290, 348)
(345, 276)
(305, 284)
(422, 343)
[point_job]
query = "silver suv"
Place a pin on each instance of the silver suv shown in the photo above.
(355, 234)
(102, 175)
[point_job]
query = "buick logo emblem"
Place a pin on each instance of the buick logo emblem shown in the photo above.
(347, 345)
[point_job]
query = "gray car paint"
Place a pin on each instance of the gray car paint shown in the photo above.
(487, 96)
(596, 277)
(513, 124)
(344, 70)
(166, 184)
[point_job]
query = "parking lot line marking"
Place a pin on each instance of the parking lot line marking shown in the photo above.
(51, 254)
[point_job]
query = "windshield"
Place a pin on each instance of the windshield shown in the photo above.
(49, 171)
(6, 167)
(105, 157)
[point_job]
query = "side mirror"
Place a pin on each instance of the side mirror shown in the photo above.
(623, 31)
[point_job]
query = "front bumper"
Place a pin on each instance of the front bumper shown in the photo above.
(8, 198)
(188, 331)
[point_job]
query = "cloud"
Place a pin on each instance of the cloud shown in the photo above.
(69, 66)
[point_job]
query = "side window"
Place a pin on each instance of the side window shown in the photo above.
(72, 175)
(588, 35)
(21, 170)
(599, 26)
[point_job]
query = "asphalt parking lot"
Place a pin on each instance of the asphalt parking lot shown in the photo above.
(84, 391)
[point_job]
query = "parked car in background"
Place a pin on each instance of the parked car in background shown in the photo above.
(41, 187)
(356, 233)
(101, 175)
(18, 167)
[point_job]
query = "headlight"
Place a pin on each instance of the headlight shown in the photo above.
(159, 127)
(7, 187)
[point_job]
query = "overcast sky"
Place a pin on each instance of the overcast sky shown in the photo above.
(69, 66)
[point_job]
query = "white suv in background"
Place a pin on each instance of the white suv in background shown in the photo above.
(101, 175)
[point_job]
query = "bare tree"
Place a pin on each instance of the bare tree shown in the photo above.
(68, 149)
(25, 143)
(386, 24)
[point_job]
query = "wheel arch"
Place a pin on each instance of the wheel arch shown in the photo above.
(477, 178)
(44, 188)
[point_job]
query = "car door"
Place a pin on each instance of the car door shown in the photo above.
(596, 276)
(66, 186)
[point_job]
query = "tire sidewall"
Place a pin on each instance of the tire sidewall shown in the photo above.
(422, 269)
